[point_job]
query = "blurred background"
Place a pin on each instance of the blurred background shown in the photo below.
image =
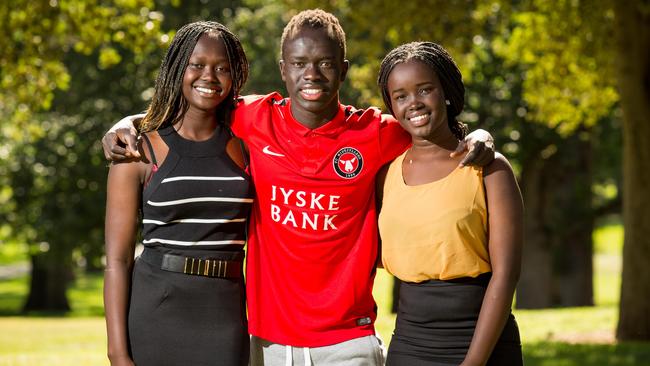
(563, 86)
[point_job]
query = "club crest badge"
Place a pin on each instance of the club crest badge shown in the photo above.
(348, 162)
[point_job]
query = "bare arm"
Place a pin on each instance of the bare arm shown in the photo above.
(123, 201)
(505, 220)
(120, 142)
(380, 179)
(480, 147)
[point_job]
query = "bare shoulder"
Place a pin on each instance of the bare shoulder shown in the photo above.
(499, 164)
(132, 167)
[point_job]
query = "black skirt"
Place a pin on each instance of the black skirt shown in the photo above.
(436, 321)
(179, 319)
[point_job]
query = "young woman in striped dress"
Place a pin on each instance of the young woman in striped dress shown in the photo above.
(181, 302)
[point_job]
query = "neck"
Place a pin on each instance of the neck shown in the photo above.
(197, 125)
(314, 120)
(438, 146)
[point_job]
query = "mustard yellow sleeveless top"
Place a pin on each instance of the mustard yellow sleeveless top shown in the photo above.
(436, 230)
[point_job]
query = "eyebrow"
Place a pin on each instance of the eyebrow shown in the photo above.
(418, 85)
(303, 58)
(202, 58)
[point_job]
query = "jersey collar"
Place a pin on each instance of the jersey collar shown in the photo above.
(330, 129)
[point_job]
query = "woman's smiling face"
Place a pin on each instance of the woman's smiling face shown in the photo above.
(417, 98)
(207, 80)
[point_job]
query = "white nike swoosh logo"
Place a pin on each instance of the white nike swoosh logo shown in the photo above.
(268, 151)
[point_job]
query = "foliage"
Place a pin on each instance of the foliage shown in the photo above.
(55, 171)
(563, 90)
(259, 26)
(375, 27)
(31, 63)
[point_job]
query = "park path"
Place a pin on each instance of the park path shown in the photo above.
(14, 270)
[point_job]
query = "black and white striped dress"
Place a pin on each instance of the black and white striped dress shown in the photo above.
(196, 205)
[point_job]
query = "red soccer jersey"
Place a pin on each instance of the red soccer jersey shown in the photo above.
(312, 240)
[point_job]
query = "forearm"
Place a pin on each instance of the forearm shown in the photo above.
(117, 282)
(492, 318)
(128, 122)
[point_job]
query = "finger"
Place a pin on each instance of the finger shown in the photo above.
(487, 157)
(486, 154)
(460, 148)
(112, 149)
(105, 147)
(129, 139)
(119, 153)
(470, 158)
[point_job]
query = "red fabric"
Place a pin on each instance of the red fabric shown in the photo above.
(313, 232)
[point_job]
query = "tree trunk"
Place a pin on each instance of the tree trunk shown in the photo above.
(557, 265)
(633, 43)
(573, 223)
(534, 289)
(51, 274)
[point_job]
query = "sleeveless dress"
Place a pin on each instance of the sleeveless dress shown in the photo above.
(195, 206)
(434, 239)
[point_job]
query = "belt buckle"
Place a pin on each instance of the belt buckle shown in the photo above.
(220, 266)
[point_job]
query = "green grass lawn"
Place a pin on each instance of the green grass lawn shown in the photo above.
(551, 337)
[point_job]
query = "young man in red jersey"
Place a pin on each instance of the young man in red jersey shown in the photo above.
(312, 240)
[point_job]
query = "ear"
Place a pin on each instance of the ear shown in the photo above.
(282, 65)
(344, 69)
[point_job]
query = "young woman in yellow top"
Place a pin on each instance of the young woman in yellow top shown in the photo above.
(453, 234)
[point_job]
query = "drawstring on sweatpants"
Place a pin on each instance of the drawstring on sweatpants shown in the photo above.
(289, 356)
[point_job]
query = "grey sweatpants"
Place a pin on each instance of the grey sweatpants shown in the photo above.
(363, 351)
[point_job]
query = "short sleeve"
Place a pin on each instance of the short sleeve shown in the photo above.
(393, 139)
(248, 110)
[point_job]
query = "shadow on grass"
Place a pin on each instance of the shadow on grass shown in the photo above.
(85, 297)
(565, 354)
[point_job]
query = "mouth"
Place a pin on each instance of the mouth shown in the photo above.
(419, 120)
(207, 91)
(311, 93)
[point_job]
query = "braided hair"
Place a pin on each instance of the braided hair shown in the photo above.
(439, 60)
(316, 19)
(168, 106)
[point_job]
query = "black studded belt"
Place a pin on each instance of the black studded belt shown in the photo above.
(222, 264)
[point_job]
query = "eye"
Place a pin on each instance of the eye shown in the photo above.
(425, 91)
(399, 97)
(195, 65)
(326, 64)
(298, 64)
(222, 69)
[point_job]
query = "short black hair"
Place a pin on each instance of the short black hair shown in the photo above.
(316, 19)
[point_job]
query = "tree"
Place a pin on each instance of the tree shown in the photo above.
(57, 172)
(259, 25)
(31, 64)
(55, 169)
(58, 189)
(632, 32)
(596, 52)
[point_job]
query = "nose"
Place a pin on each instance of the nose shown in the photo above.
(209, 74)
(312, 72)
(414, 104)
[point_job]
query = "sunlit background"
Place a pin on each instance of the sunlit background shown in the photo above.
(563, 87)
